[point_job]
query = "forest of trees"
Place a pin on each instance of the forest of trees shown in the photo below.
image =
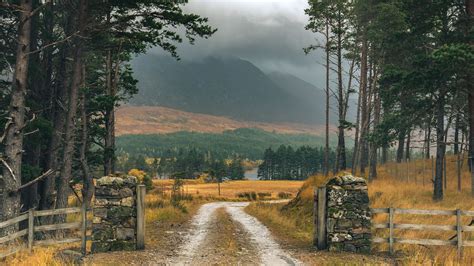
(184, 163)
(287, 163)
(247, 143)
(411, 63)
(63, 71)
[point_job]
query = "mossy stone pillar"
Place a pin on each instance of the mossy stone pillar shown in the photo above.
(115, 214)
(348, 219)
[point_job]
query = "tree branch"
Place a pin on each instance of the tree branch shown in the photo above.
(9, 168)
(53, 43)
(44, 175)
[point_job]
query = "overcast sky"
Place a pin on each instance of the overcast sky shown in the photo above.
(268, 33)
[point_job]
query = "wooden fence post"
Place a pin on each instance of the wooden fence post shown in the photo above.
(390, 222)
(321, 230)
(84, 227)
(315, 217)
(141, 191)
(459, 232)
(31, 229)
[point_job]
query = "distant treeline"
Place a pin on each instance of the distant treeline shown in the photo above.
(185, 164)
(244, 142)
(287, 163)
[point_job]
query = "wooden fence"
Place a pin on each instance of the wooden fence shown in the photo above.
(458, 228)
(31, 229)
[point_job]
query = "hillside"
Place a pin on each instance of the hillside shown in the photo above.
(247, 142)
(229, 87)
(158, 120)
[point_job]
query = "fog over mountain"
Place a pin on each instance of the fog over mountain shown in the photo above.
(228, 87)
(269, 33)
(252, 68)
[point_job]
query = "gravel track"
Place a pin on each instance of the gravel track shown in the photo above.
(257, 236)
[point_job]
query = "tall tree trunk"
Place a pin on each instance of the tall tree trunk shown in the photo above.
(401, 145)
(384, 153)
(109, 121)
(470, 88)
(69, 131)
(456, 135)
(440, 149)
(374, 145)
(407, 149)
(364, 105)
(326, 146)
(58, 104)
(428, 140)
(341, 146)
(355, 154)
(10, 205)
(88, 187)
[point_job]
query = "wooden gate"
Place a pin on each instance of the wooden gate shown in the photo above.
(13, 243)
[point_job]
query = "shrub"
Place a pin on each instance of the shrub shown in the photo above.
(248, 195)
(284, 195)
(148, 182)
(263, 195)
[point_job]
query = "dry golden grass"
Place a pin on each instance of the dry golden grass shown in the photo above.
(230, 189)
(297, 232)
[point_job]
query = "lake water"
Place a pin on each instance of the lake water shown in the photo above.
(251, 174)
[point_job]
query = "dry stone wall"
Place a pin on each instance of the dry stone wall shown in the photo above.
(348, 215)
(115, 214)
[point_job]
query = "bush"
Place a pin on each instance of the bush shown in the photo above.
(148, 182)
(251, 196)
(263, 195)
(284, 195)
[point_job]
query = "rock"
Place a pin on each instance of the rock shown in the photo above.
(100, 212)
(125, 193)
(71, 255)
(125, 233)
(99, 247)
(96, 220)
(103, 234)
(109, 181)
(123, 246)
(128, 202)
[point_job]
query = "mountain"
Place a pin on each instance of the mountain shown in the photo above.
(140, 120)
(228, 87)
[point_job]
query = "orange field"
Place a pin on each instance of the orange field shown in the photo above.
(230, 189)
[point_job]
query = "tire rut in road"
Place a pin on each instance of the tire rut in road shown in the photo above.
(227, 243)
(269, 250)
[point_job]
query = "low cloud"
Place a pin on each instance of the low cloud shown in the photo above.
(268, 33)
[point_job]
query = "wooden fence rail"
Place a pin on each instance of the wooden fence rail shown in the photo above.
(31, 229)
(391, 225)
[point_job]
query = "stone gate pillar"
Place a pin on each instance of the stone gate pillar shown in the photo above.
(115, 214)
(348, 220)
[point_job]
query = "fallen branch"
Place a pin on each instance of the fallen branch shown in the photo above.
(46, 174)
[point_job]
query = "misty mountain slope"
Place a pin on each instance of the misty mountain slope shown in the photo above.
(227, 87)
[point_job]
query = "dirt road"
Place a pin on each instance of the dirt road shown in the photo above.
(222, 233)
